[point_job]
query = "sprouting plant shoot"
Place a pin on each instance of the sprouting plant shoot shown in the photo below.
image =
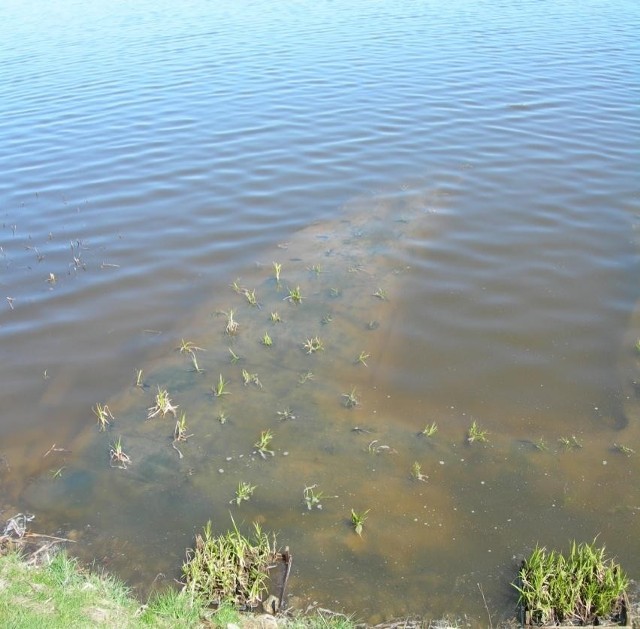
(350, 400)
(416, 472)
(117, 457)
(626, 450)
(103, 414)
(380, 293)
(251, 378)
(234, 357)
(232, 325)
(285, 414)
(569, 443)
(277, 268)
(358, 520)
(313, 345)
(266, 340)
(243, 492)
(312, 498)
(180, 433)
(251, 297)
(305, 377)
(188, 347)
(275, 318)
(262, 444)
(476, 433)
(430, 430)
(139, 379)
(220, 388)
(362, 358)
(294, 296)
(162, 406)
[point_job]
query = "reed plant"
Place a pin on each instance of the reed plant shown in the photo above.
(162, 406)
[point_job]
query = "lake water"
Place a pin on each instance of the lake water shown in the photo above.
(454, 189)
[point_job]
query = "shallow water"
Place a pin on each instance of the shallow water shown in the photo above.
(475, 162)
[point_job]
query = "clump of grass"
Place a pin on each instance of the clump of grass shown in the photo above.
(188, 347)
(429, 430)
(250, 295)
(362, 358)
(180, 433)
(277, 269)
(251, 378)
(266, 436)
(162, 406)
(294, 296)
(266, 340)
(583, 586)
(222, 418)
(416, 472)
(313, 345)
(541, 445)
(220, 388)
(312, 498)
(380, 293)
(244, 492)
(475, 433)
(230, 567)
(569, 443)
(285, 414)
(102, 412)
(275, 317)
(351, 400)
(117, 456)
(626, 450)
(358, 520)
(232, 325)
(305, 377)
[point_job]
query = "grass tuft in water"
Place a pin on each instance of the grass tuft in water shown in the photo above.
(358, 520)
(350, 400)
(244, 492)
(162, 406)
(416, 472)
(220, 388)
(583, 586)
(266, 340)
(569, 443)
(231, 328)
(117, 456)
(362, 358)
(230, 567)
(266, 436)
(277, 269)
(104, 416)
(312, 498)
(294, 296)
(139, 379)
(626, 450)
(429, 430)
(475, 433)
(313, 345)
(251, 378)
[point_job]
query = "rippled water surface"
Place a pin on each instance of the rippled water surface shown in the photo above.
(454, 189)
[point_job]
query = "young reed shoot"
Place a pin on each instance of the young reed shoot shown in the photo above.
(312, 497)
(262, 445)
(220, 388)
(104, 415)
(430, 430)
(117, 456)
(244, 492)
(294, 296)
(162, 406)
(475, 433)
(350, 400)
(358, 520)
(313, 345)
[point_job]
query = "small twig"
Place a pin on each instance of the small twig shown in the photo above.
(54, 449)
(173, 445)
(484, 600)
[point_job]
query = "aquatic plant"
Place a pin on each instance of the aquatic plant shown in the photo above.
(541, 445)
(103, 414)
(305, 377)
(380, 293)
(237, 288)
(475, 433)
(251, 297)
(117, 457)
(232, 325)
(230, 567)
(57, 473)
(362, 358)
(277, 267)
(180, 433)
(315, 268)
(294, 296)
(243, 492)
(430, 430)
(194, 363)
(251, 378)
(416, 472)
(266, 340)
(358, 520)
(571, 443)
(326, 319)
(162, 406)
(275, 317)
(638, 346)
(583, 586)
(626, 450)
(266, 436)
(222, 418)
(285, 414)
(188, 347)
(139, 379)
(351, 400)
(334, 292)
(375, 447)
(234, 357)
(220, 388)
(313, 345)
(312, 498)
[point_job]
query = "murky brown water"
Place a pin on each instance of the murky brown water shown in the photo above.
(473, 165)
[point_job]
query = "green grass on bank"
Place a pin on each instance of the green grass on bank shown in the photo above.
(62, 595)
